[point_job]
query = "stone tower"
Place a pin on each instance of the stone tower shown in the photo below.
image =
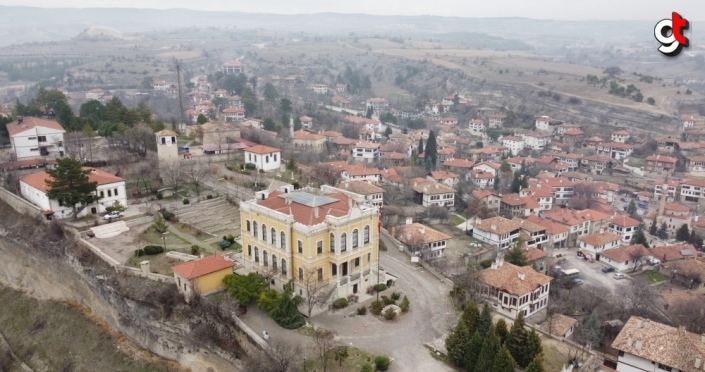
(167, 149)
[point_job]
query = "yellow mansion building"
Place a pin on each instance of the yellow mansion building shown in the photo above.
(327, 235)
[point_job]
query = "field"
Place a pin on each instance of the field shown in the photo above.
(56, 336)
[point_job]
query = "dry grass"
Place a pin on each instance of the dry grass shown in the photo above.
(56, 336)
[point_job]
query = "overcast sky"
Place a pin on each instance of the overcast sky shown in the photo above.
(539, 9)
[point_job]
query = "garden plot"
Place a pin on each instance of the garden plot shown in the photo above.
(215, 217)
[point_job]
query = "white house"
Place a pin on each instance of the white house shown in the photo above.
(428, 193)
(421, 240)
(110, 189)
(514, 144)
(498, 231)
(536, 141)
(692, 189)
(306, 122)
(319, 88)
(645, 345)
(232, 67)
(33, 137)
(95, 94)
(623, 225)
(621, 136)
(263, 157)
(232, 114)
(365, 151)
(625, 257)
(688, 121)
(368, 192)
(477, 126)
(615, 150)
(595, 244)
(513, 289)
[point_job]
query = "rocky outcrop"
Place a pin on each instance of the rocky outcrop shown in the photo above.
(41, 261)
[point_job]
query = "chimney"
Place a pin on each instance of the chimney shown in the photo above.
(639, 344)
(494, 266)
(201, 255)
(409, 220)
(350, 203)
(408, 236)
(639, 323)
(288, 201)
(315, 212)
(522, 276)
(629, 341)
(602, 231)
(422, 230)
(493, 227)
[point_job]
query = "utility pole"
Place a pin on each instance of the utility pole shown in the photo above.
(179, 84)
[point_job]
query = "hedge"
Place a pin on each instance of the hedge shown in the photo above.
(340, 303)
(153, 249)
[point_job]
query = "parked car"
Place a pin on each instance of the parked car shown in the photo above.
(623, 199)
(607, 269)
(578, 281)
(619, 276)
(112, 215)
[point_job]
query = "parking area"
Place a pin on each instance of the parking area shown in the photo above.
(590, 272)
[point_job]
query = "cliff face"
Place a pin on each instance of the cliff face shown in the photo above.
(36, 259)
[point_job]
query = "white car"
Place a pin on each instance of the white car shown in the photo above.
(112, 215)
(619, 276)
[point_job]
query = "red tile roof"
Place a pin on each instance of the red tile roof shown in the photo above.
(262, 149)
(31, 122)
(304, 214)
(204, 266)
(38, 180)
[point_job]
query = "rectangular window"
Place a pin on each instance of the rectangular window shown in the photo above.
(31, 138)
(249, 250)
(320, 274)
(42, 138)
(357, 262)
(110, 193)
(369, 257)
(33, 149)
(116, 194)
(275, 157)
(319, 247)
(301, 273)
(301, 246)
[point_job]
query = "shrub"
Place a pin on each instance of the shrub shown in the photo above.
(230, 238)
(168, 215)
(396, 296)
(361, 310)
(486, 263)
(387, 301)
(404, 305)
(139, 252)
(382, 246)
(160, 196)
(224, 244)
(367, 367)
(153, 249)
(195, 250)
(390, 314)
(186, 201)
(382, 363)
(370, 290)
(250, 166)
(376, 307)
(209, 197)
(340, 303)
(352, 299)
(380, 287)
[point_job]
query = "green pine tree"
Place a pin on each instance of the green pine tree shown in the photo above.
(683, 234)
(473, 352)
(458, 343)
(517, 341)
(470, 316)
(653, 229)
(631, 208)
(533, 347)
(639, 237)
(516, 255)
(420, 149)
(503, 361)
(495, 184)
(662, 232)
(484, 322)
(431, 153)
(502, 330)
(70, 184)
(485, 360)
(536, 365)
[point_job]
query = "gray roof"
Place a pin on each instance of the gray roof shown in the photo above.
(308, 199)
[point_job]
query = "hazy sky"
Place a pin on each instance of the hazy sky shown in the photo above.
(539, 9)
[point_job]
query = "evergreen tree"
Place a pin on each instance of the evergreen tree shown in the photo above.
(484, 321)
(536, 365)
(653, 229)
(516, 183)
(662, 232)
(69, 184)
(533, 347)
(594, 333)
(502, 330)
(431, 153)
(470, 316)
(388, 132)
(420, 149)
(503, 361)
(458, 343)
(639, 237)
(495, 185)
(369, 112)
(517, 341)
(473, 352)
(485, 361)
(682, 234)
(631, 208)
(516, 255)
(692, 237)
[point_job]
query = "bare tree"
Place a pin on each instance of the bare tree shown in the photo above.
(141, 139)
(591, 297)
(637, 298)
(172, 174)
(689, 313)
(635, 256)
(282, 356)
(583, 195)
(324, 343)
(76, 146)
(326, 174)
(197, 172)
(315, 290)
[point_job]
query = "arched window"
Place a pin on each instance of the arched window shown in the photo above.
(254, 229)
(264, 232)
(247, 223)
(265, 262)
(332, 242)
(274, 262)
(354, 239)
(343, 242)
(283, 240)
(256, 255)
(366, 235)
(274, 237)
(283, 267)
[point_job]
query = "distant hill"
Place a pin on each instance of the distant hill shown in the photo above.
(27, 24)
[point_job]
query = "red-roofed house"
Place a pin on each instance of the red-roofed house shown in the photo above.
(263, 157)
(32, 137)
(110, 189)
(660, 163)
(202, 276)
(623, 225)
(625, 257)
